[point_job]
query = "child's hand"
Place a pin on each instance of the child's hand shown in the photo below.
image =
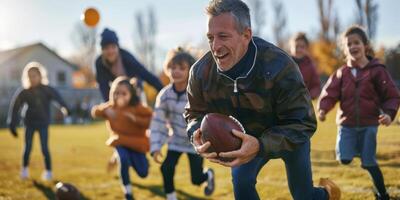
(64, 111)
(157, 156)
(110, 113)
(321, 115)
(385, 119)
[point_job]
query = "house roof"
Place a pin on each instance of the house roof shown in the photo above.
(12, 53)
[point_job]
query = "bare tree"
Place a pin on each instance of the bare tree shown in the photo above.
(367, 11)
(145, 37)
(279, 26)
(258, 16)
(359, 10)
(84, 39)
(325, 18)
(336, 26)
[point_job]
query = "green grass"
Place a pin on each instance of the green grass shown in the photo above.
(79, 156)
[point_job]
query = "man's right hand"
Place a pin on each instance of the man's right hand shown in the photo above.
(201, 148)
(13, 131)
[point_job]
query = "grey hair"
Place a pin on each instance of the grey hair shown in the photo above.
(238, 9)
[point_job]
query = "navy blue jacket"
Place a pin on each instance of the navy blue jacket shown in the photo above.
(133, 68)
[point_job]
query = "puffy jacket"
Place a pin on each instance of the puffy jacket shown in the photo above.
(124, 130)
(362, 97)
(270, 100)
(310, 76)
(167, 119)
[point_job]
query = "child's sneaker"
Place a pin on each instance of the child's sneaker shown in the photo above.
(209, 189)
(382, 197)
(129, 197)
(172, 196)
(24, 173)
(332, 189)
(47, 175)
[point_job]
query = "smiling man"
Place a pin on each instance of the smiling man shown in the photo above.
(261, 86)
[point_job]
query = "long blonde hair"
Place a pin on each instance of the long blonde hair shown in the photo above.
(34, 66)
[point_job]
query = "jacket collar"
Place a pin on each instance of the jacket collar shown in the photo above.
(253, 62)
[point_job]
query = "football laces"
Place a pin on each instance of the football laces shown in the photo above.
(238, 123)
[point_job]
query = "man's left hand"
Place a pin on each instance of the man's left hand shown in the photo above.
(247, 151)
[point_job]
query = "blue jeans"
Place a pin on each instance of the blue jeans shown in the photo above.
(43, 133)
(357, 141)
(298, 171)
(127, 158)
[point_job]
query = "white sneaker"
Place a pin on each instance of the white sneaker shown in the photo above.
(47, 175)
(24, 173)
(210, 187)
(172, 196)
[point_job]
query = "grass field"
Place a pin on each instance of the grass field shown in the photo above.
(79, 156)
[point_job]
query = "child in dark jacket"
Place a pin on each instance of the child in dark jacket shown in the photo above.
(127, 120)
(299, 46)
(37, 95)
(368, 97)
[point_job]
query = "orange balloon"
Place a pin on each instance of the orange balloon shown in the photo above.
(91, 17)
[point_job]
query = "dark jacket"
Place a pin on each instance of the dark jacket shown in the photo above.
(310, 76)
(132, 68)
(38, 101)
(270, 100)
(362, 98)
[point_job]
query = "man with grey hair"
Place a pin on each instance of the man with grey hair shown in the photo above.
(261, 86)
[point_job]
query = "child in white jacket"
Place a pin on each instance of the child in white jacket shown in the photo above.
(168, 125)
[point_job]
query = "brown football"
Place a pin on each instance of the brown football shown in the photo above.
(217, 128)
(66, 191)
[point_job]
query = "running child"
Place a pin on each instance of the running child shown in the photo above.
(168, 119)
(299, 50)
(127, 120)
(368, 97)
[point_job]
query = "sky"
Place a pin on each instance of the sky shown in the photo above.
(180, 22)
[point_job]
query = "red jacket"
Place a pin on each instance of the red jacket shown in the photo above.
(310, 75)
(362, 98)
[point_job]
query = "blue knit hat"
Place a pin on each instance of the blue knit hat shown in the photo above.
(108, 37)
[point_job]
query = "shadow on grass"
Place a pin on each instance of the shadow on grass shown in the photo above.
(45, 189)
(48, 190)
(159, 191)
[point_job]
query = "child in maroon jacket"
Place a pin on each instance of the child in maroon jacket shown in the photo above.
(368, 97)
(299, 46)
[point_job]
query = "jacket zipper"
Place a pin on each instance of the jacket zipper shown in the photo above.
(357, 109)
(236, 92)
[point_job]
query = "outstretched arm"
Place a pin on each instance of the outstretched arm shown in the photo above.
(142, 73)
(13, 113)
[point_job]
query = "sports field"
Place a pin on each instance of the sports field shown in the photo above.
(79, 156)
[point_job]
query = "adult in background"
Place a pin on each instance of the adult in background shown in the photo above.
(261, 86)
(115, 61)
